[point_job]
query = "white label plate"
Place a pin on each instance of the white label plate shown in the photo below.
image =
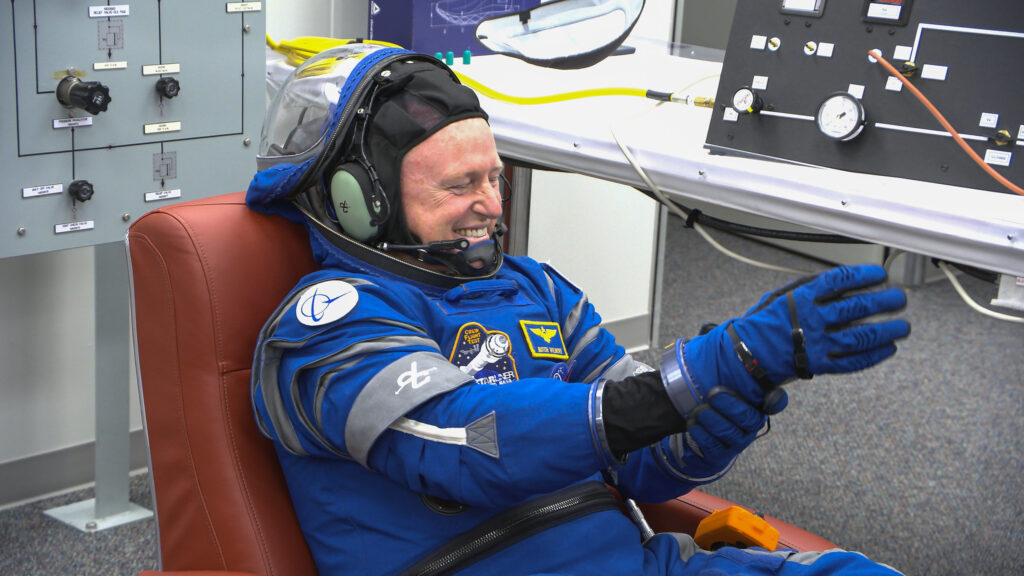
(988, 120)
(245, 6)
(802, 5)
(902, 53)
(45, 190)
(759, 83)
(886, 11)
(758, 42)
(152, 69)
(108, 11)
(893, 84)
(163, 195)
(72, 122)
(161, 127)
(933, 72)
(74, 226)
(110, 65)
(825, 49)
(998, 157)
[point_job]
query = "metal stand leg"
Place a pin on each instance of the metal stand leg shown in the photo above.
(1011, 293)
(912, 273)
(658, 280)
(111, 506)
(519, 211)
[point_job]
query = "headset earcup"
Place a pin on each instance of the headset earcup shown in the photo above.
(349, 186)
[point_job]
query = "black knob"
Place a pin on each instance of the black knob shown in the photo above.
(92, 97)
(168, 87)
(80, 190)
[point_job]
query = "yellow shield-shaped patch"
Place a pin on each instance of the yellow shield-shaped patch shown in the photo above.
(544, 339)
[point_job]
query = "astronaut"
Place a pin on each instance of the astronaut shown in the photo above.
(439, 407)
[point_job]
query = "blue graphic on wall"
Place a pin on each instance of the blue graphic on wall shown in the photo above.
(462, 13)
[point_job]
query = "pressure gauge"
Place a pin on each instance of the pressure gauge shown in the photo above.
(745, 101)
(841, 117)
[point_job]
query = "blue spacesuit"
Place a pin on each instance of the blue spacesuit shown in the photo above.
(400, 426)
(469, 421)
(417, 413)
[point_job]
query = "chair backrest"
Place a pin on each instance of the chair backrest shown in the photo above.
(205, 276)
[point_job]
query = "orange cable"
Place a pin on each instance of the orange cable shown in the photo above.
(945, 124)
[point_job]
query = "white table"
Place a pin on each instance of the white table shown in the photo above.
(974, 227)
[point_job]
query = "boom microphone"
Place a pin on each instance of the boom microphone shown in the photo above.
(439, 247)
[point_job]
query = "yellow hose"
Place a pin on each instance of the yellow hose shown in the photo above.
(298, 50)
(494, 94)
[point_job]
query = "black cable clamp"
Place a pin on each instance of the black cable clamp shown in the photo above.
(692, 217)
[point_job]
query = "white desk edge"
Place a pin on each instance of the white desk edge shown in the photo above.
(974, 227)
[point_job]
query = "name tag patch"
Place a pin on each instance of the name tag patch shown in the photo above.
(544, 339)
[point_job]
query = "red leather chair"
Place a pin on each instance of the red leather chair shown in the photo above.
(205, 275)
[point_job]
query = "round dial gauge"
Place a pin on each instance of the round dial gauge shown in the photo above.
(745, 101)
(841, 117)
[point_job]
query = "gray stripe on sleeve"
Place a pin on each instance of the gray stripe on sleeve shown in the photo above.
(265, 372)
(572, 320)
(625, 367)
(585, 340)
(551, 285)
(355, 350)
(352, 355)
(589, 378)
(575, 315)
(393, 392)
(270, 361)
(480, 435)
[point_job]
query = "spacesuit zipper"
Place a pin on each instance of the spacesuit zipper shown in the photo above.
(514, 525)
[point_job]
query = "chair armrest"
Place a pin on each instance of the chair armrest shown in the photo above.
(195, 573)
(684, 513)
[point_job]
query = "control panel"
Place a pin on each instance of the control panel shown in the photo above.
(800, 82)
(109, 109)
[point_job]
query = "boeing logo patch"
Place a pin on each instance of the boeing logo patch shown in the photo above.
(326, 302)
(544, 339)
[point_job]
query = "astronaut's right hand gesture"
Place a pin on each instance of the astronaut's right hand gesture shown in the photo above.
(722, 385)
(815, 325)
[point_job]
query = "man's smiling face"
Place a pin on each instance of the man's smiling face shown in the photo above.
(450, 184)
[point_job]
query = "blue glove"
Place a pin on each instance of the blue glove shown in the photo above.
(716, 432)
(811, 326)
(635, 412)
